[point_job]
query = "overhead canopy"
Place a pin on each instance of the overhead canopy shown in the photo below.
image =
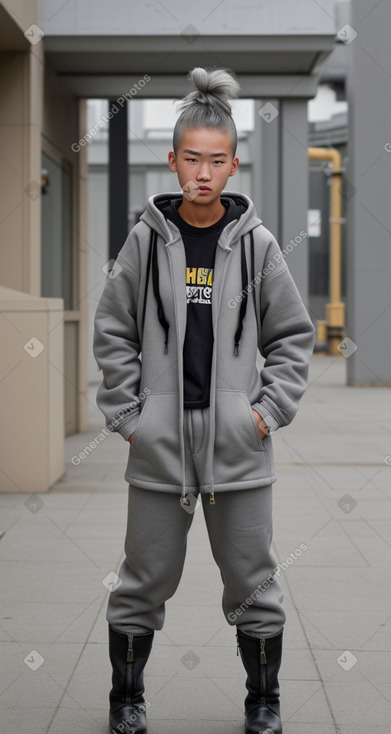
(102, 48)
(273, 66)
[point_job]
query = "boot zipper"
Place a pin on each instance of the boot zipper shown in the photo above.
(212, 500)
(129, 669)
(263, 653)
(129, 657)
(263, 670)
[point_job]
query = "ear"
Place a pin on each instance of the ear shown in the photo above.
(171, 161)
(234, 167)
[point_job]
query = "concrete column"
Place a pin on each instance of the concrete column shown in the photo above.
(83, 343)
(368, 192)
(267, 128)
(255, 155)
(293, 189)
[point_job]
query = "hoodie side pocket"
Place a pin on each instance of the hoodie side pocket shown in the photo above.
(258, 435)
(239, 450)
(155, 455)
(139, 423)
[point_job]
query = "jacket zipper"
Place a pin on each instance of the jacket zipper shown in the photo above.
(183, 453)
(262, 670)
(129, 669)
(216, 301)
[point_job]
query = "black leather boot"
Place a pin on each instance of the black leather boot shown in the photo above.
(128, 655)
(262, 659)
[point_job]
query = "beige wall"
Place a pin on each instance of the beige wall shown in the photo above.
(21, 79)
(37, 113)
(19, 13)
(32, 451)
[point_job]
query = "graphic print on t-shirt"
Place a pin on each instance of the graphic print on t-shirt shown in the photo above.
(199, 282)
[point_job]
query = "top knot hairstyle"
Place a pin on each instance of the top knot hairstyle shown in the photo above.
(208, 105)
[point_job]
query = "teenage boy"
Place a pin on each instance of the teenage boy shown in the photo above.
(197, 287)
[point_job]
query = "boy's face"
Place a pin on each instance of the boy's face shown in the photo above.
(203, 163)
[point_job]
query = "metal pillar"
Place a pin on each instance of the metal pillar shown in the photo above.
(293, 190)
(118, 178)
(335, 308)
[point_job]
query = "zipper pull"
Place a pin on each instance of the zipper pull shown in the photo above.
(129, 657)
(212, 500)
(263, 653)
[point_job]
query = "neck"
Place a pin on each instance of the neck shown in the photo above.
(201, 216)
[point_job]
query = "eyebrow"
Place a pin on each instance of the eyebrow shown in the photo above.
(212, 155)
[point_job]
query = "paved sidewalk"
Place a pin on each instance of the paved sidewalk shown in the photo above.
(333, 495)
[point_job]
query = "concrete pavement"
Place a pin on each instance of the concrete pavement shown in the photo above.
(332, 495)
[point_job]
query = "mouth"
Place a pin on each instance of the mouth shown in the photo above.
(204, 188)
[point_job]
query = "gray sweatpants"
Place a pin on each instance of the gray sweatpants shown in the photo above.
(240, 533)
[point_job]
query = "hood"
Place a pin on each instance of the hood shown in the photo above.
(233, 231)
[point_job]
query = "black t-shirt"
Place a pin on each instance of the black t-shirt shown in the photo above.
(200, 247)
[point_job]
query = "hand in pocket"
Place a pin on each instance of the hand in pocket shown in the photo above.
(262, 427)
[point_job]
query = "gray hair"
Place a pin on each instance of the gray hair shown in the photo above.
(208, 105)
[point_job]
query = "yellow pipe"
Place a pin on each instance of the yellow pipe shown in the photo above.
(335, 309)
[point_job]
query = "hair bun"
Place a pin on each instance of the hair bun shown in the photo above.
(213, 86)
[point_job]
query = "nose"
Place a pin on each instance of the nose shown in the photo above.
(203, 172)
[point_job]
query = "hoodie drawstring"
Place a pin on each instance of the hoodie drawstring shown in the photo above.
(253, 276)
(147, 280)
(152, 256)
(155, 282)
(245, 283)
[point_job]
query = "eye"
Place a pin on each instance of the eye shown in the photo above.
(191, 159)
(217, 161)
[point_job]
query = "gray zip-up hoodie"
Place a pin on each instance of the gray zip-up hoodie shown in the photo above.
(140, 325)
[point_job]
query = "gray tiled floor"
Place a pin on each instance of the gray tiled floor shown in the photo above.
(337, 593)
